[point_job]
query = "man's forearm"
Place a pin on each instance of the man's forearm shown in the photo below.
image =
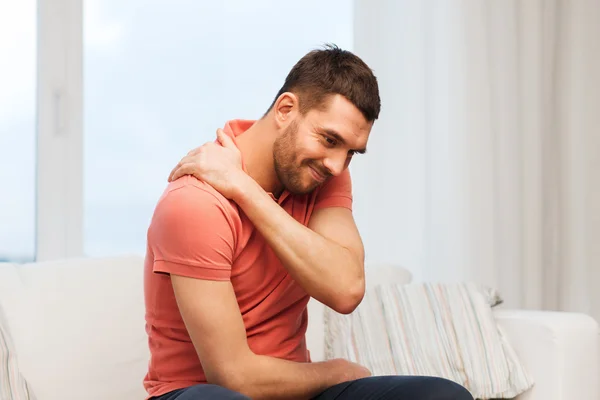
(327, 271)
(272, 378)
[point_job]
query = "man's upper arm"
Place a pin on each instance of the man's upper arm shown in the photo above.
(212, 317)
(192, 234)
(332, 216)
(192, 238)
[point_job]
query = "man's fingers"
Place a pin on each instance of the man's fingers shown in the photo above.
(188, 164)
(193, 152)
(172, 174)
(225, 139)
(184, 169)
(185, 160)
(175, 173)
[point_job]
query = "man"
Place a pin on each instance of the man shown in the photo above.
(247, 230)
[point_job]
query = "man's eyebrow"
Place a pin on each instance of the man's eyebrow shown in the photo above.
(340, 139)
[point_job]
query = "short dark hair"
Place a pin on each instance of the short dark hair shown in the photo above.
(325, 72)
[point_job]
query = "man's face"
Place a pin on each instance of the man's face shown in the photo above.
(319, 145)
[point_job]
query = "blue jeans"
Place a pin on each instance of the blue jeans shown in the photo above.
(372, 388)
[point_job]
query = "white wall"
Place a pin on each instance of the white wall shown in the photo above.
(484, 163)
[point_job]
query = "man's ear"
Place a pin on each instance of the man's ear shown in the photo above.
(286, 109)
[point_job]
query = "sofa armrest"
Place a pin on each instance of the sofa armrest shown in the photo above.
(560, 350)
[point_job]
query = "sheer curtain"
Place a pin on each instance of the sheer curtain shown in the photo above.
(485, 162)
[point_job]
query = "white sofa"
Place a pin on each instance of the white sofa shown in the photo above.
(78, 330)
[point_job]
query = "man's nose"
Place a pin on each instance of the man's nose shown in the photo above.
(335, 164)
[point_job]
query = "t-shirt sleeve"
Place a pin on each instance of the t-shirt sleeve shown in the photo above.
(192, 234)
(335, 192)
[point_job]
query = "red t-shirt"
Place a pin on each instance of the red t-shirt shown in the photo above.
(196, 232)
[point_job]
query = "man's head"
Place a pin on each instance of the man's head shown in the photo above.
(324, 113)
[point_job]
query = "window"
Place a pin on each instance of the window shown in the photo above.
(161, 77)
(18, 30)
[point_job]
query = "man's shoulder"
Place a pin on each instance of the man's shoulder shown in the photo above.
(188, 194)
(189, 187)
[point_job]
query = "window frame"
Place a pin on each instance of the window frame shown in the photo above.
(59, 125)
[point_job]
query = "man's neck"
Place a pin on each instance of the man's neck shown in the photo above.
(256, 146)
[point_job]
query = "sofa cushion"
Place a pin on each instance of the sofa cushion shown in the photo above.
(78, 327)
(12, 383)
(444, 330)
(375, 274)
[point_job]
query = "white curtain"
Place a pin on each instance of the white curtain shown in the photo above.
(485, 163)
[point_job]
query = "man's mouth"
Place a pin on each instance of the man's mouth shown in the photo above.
(316, 175)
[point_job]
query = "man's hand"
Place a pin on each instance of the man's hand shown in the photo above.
(218, 165)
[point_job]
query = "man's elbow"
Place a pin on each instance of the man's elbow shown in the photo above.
(236, 382)
(232, 376)
(348, 300)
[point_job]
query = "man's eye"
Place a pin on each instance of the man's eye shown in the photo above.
(330, 141)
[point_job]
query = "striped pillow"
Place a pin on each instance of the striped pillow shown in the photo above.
(430, 329)
(12, 383)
